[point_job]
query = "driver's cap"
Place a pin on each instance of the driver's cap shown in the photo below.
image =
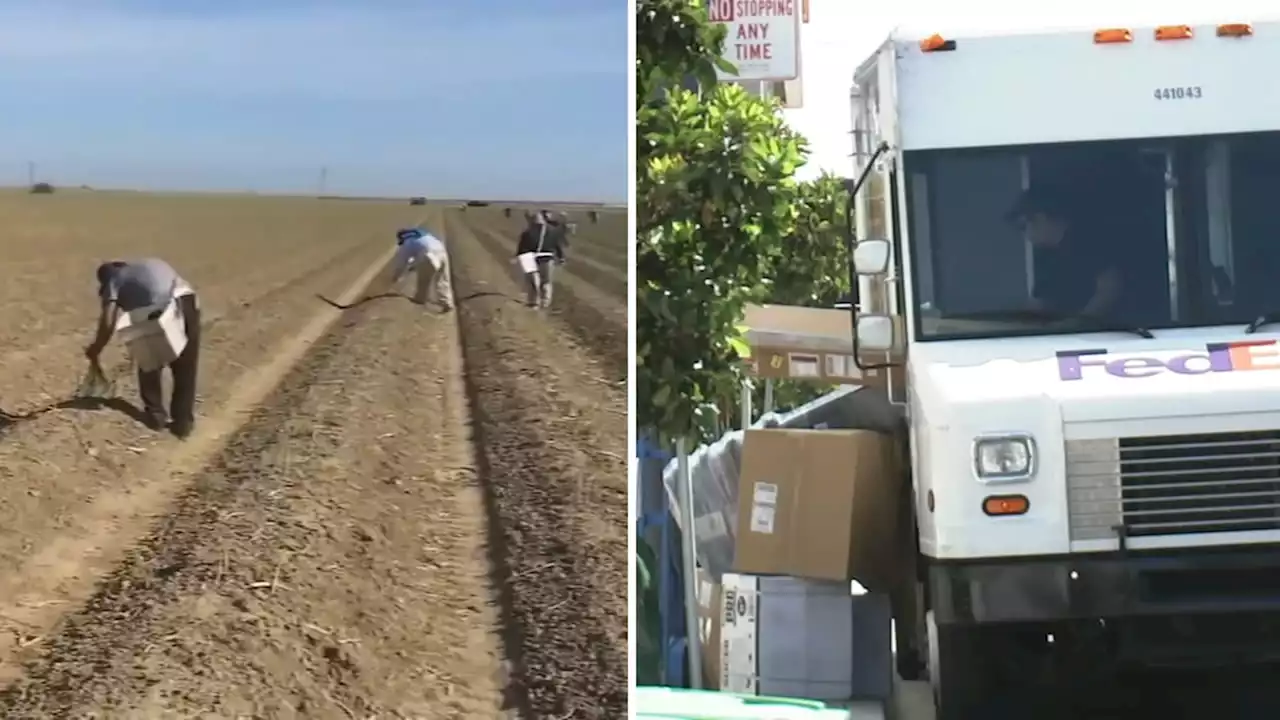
(1039, 199)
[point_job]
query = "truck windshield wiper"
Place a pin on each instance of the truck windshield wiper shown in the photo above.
(1263, 319)
(1085, 322)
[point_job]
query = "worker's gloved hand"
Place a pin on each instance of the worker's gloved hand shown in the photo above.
(95, 383)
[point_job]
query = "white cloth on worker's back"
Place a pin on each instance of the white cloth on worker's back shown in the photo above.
(137, 316)
(156, 335)
(144, 290)
(416, 249)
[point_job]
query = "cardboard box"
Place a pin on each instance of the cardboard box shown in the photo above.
(788, 637)
(819, 366)
(814, 344)
(820, 504)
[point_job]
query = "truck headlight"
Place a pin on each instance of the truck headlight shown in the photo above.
(1008, 457)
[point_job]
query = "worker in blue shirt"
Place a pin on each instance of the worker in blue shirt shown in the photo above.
(426, 254)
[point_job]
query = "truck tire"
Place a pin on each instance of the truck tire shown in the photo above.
(957, 672)
(909, 631)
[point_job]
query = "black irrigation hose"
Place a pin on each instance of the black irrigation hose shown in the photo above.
(9, 420)
(357, 303)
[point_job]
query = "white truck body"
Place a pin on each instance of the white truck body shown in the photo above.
(965, 391)
(1013, 91)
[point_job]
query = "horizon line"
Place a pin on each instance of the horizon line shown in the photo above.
(608, 204)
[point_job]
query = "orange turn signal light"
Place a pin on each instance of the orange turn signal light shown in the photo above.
(1235, 30)
(1005, 505)
(1173, 32)
(937, 43)
(1113, 35)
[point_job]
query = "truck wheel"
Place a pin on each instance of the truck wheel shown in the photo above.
(908, 665)
(957, 672)
(910, 632)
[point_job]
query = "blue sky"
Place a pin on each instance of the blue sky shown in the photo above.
(483, 98)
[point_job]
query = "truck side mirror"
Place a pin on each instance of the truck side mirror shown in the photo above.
(871, 257)
(877, 333)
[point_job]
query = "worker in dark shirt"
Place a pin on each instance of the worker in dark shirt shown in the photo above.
(1077, 274)
(545, 239)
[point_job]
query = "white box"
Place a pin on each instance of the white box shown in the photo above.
(790, 637)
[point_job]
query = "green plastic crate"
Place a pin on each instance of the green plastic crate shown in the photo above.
(663, 703)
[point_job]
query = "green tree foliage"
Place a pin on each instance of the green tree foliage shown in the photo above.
(813, 272)
(814, 269)
(675, 40)
(715, 197)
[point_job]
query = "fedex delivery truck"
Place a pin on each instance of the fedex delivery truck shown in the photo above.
(1077, 294)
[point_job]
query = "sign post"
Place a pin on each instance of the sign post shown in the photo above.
(762, 38)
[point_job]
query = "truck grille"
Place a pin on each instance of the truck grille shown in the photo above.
(1218, 482)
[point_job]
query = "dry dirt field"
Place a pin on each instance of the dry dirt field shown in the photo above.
(385, 511)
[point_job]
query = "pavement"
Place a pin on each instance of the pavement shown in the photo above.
(911, 701)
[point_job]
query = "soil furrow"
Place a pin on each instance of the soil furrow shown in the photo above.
(77, 664)
(608, 281)
(608, 278)
(426, 517)
(100, 448)
(607, 256)
(330, 561)
(600, 326)
(34, 366)
(604, 243)
(550, 432)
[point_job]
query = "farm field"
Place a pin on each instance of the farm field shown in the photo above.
(385, 511)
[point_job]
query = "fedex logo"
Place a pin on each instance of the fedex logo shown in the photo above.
(1216, 358)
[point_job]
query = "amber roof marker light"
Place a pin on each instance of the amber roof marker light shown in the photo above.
(937, 43)
(1235, 30)
(1108, 36)
(1174, 32)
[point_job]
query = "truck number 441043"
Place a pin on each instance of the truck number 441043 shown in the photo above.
(1187, 92)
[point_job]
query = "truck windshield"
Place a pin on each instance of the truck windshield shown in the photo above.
(1153, 233)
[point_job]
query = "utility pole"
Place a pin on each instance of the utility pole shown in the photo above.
(31, 173)
(324, 181)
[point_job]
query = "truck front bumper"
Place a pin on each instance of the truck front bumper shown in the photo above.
(1200, 581)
